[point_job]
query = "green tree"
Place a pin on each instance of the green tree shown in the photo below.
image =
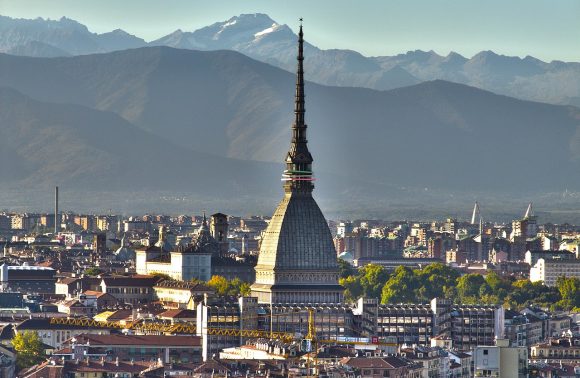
(372, 279)
(569, 288)
(345, 269)
(469, 286)
(499, 286)
(239, 287)
(353, 289)
(224, 287)
(401, 287)
(29, 349)
(524, 292)
(436, 280)
(93, 271)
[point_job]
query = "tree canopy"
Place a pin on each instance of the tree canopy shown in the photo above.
(441, 281)
(29, 349)
(223, 287)
(569, 289)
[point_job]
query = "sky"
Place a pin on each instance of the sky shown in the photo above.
(546, 29)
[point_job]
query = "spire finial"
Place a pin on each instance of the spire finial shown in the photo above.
(298, 173)
(299, 101)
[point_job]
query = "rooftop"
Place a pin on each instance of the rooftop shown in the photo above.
(140, 340)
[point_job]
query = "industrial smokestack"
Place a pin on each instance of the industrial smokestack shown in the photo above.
(56, 221)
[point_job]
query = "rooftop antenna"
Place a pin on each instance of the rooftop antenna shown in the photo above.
(56, 221)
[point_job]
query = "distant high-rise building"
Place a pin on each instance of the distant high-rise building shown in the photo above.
(526, 227)
(297, 261)
(344, 228)
(450, 226)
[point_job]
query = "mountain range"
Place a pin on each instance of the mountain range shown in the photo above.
(217, 123)
(260, 37)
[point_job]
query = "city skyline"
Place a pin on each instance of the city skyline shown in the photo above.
(545, 30)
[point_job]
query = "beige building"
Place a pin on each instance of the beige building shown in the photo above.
(565, 349)
(133, 290)
(260, 350)
(548, 270)
(500, 360)
(379, 367)
(557, 324)
(179, 294)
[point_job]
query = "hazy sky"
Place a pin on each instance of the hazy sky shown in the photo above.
(547, 29)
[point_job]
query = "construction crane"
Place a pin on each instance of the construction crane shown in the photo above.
(189, 328)
(186, 328)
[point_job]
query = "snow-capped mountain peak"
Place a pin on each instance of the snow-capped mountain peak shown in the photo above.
(271, 29)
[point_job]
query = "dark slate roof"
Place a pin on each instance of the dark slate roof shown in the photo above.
(43, 323)
(146, 281)
(142, 340)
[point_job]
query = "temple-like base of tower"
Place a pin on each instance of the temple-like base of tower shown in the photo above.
(297, 293)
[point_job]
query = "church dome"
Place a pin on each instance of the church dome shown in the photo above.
(298, 237)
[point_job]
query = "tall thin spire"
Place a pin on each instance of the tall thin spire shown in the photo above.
(476, 214)
(299, 97)
(529, 212)
(298, 174)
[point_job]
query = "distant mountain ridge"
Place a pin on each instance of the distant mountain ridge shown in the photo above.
(367, 144)
(260, 37)
(47, 144)
(66, 35)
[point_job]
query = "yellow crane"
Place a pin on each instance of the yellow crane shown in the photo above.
(176, 328)
(190, 328)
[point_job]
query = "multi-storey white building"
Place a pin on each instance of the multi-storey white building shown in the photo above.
(183, 262)
(548, 270)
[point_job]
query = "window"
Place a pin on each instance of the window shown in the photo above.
(485, 352)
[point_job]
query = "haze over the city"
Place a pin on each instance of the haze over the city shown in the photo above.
(438, 91)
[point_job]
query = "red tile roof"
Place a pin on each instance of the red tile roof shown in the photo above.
(178, 314)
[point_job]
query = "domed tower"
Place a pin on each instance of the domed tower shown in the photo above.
(297, 261)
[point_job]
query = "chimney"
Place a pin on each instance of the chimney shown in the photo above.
(56, 221)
